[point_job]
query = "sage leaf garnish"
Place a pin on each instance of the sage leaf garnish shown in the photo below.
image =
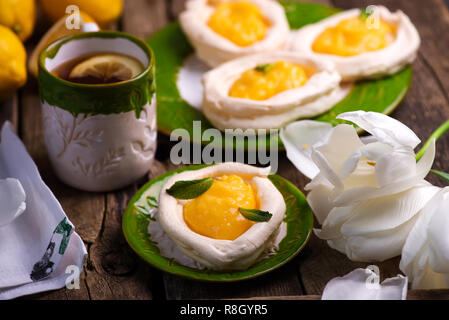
(364, 13)
(255, 214)
(265, 68)
(190, 189)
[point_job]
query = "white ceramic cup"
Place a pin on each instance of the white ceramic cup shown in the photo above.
(98, 137)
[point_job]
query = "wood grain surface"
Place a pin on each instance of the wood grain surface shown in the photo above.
(113, 271)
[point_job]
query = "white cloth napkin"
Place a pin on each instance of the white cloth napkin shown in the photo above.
(363, 284)
(38, 246)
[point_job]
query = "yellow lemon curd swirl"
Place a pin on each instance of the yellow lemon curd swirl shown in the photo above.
(265, 81)
(215, 213)
(240, 22)
(354, 36)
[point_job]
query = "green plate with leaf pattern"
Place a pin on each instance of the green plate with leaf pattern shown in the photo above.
(135, 223)
(171, 48)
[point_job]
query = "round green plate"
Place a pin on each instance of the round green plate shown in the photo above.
(299, 219)
(171, 48)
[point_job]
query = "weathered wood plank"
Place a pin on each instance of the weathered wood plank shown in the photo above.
(113, 270)
(176, 7)
(277, 283)
(9, 111)
(143, 17)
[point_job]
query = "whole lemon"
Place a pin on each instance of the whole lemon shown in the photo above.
(18, 15)
(57, 31)
(104, 12)
(12, 63)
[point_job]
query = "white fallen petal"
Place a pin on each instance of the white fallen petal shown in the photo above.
(298, 138)
(383, 127)
(12, 200)
(363, 284)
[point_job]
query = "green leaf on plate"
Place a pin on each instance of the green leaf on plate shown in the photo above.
(265, 68)
(255, 214)
(190, 189)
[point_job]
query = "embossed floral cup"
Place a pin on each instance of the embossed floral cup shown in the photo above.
(99, 137)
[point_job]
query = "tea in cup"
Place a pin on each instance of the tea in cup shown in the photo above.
(99, 110)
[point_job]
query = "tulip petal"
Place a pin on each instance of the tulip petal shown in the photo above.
(395, 166)
(383, 127)
(425, 164)
(12, 199)
(343, 141)
(358, 285)
(331, 227)
(364, 193)
(388, 212)
(298, 138)
(318, 200)
(437, 233)
(379, 246)
(414, 257)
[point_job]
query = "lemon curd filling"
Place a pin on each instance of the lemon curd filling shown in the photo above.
(354, 36)
(215, 213)
(265, 81)
(240, 22)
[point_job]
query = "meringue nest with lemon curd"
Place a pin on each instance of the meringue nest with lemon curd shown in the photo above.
(267, 91)
(224, 30)
(232, 217)
(362, 43)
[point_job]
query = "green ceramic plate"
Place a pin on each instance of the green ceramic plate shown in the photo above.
(299, 220)
(171, 47)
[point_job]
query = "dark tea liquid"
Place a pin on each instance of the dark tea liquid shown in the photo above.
(63, 70)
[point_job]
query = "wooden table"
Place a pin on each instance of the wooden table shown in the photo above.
(113, 271)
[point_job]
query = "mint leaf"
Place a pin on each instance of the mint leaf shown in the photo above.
(255, 214)
(364, 13)
(190, 189)
(265, 68)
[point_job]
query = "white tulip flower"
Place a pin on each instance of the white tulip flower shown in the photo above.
(365, 194)
(425, 256)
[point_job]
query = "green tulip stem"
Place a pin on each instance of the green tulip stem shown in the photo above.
(435, 135)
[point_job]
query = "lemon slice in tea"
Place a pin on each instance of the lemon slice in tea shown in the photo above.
(106, 68)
